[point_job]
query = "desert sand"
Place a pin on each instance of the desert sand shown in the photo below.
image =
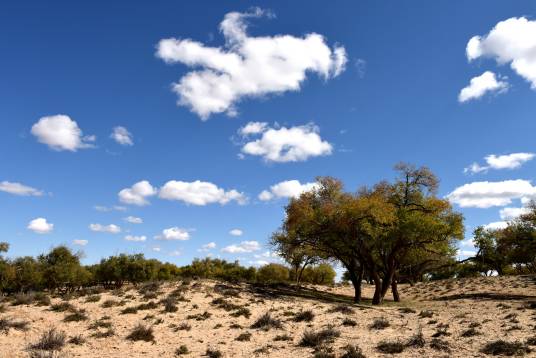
(462, 314)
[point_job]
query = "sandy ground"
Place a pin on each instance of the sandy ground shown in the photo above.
(496, 307)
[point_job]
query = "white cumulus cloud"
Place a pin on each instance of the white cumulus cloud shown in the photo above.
(236, 232)
(243, 247)
(174, 233)
(137, 194)
(286, 144)
(480, 85)
(286, 189)
(135, 238)
(40, 226)
(496, 225)
(207, 247)
(60, 132)
(19, 189)
(199, 193)
(497, 162)
(486, 194)
(112, 229)
(133, 220)
(246, 66)
(512, 41)
(80, 242)
(122, 136)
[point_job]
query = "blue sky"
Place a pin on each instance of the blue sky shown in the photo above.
(381, 84)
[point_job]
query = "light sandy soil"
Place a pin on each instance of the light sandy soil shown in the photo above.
(498, 308)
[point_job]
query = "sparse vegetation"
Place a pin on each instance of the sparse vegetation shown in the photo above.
(390, 347)
(352, 351)
(246, 336)
(505, 348)
(304, 316)
(266, 322)
(141, 333)
(213, 353)
(51, 340)
(6, 324)
(182, 350)
(318, 338)
(379, 323)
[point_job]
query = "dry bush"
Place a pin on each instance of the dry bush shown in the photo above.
(348, 322)
(213, 353)
(6, 324)
(141, 333)
(200, 316)
(417, 340)
(352, 351)
(505, 348)
(110, 303)
(390, 347)
(318, 338)
(440, 345)
(51, 340)
(76, 316)
(242, 337)
(379, 323)
(129, 310)
(426, 314)
(266, 322)
(242, 311)
(93, 298)
(77, 340)
(341, 309)
(283, 337)
(304, 316)
(62, 307)
(181, 350)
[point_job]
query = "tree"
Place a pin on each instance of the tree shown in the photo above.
(61, 270)
(272, 273)
(298, 257)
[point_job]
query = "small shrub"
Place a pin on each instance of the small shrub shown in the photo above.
(246, 336)
(470, 332)
(531, 341)
(316, 339)
(505, 348)
(170, 306)
(93, 298)
(266, 322)
(351, 351)
(406, 310)
(200, 316)
(108, 333)
(242, 311)
(417, 340)
(426, 314)
(181, 350)
(51, 340)
(23, 299)
(76, 316)
(6, 324)
(304, 316)
(110, 303)
(439, 345)
(141, 333)
(341, 309)
(41, 299)
(100, 324)
(348, 322)
(235, 326)
(324, 354)
(283, 337)
(184, 327)
(213, 353)
(390, 347)
(62, 307)
(77, 340)
(379, 323)
(151, 305)
(130, 310)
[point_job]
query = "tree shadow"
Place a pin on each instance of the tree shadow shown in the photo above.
(274, 291)
(486, 296)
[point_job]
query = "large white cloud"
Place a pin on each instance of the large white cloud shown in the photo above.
(246, 66)
(122, 136)
(243, 247)
(511, 41)
(286, 189)
(480, 85)
(137, 194)
(60, 132)
(285, 144)
(199, 193)
(112, 228)
(19, 189)
(507, 161)
(174, 233)
(40, 226)
(486, 194)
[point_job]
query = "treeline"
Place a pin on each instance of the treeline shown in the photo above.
(393, 232)
(60, 271)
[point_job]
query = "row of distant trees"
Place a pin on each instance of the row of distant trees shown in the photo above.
(60, 271)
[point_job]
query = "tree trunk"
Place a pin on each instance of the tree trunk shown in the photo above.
(357, 278)
(378, 298)
(394, 288)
